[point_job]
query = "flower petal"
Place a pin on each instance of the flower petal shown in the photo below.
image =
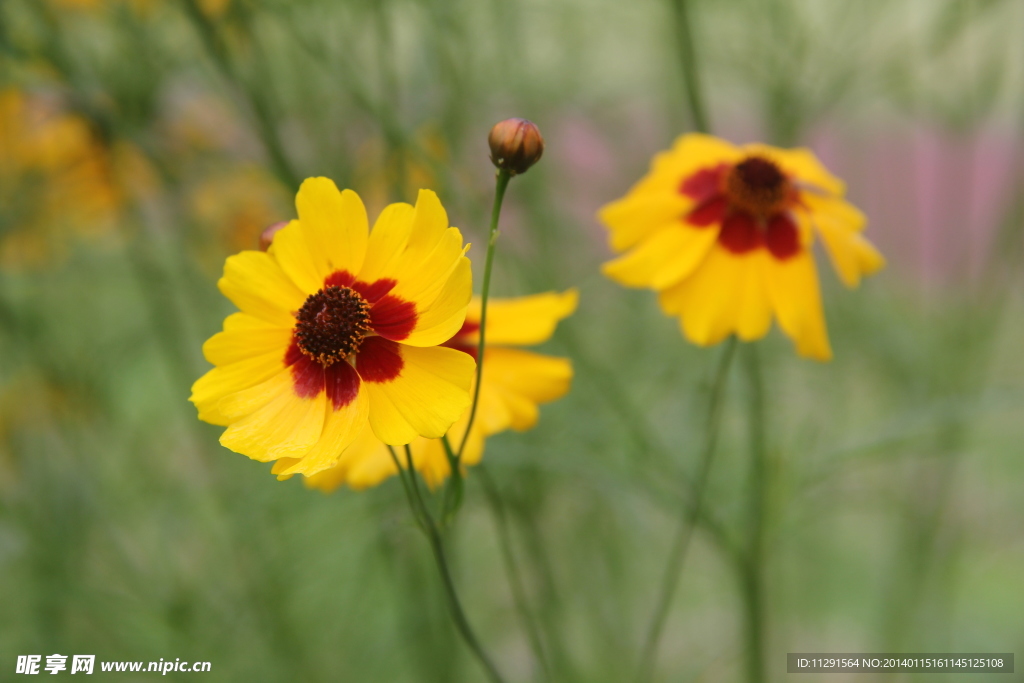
(429, 392)
(245, 336)
(521, 380)
(802, 165)
(663, 259)
(840, 225)
(633, 218)
(438, 321)
(330, 235)
(208, 390)
(725, 295)
(387, 241)
(796, 298)
(286, 427)
(341, 427)
(523, 320)
(255, 283)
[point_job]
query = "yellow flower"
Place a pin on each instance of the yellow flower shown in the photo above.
(514, 383)
(724, 234)
(338, 329)
(55, 178)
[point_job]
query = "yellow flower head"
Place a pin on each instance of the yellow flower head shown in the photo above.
(339, 328)
(724, 234)
(515, 382)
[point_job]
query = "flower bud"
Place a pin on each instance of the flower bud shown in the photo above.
(516, 145)
(267, 236)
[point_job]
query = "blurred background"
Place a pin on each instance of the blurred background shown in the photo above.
(143, 141)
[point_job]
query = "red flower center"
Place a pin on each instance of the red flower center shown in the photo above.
(757, 186)
(332, 324)
(751, 201)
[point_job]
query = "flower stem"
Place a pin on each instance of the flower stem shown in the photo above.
(752, 569)
(691, 514)
(501, 184)
(688, 59)
(429, 526)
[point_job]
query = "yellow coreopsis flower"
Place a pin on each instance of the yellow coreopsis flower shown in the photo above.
(341, 328)
(515, 382)
(724, 234)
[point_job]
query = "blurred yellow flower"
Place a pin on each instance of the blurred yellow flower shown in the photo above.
(340, 328)
(515, 382)
(234, 207)
(724, 234)
(56, 178)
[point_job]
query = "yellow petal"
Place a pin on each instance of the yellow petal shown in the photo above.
(664, 259)
(387, 242)
(796, 298)
(366, 463)
(341, 427)
(690, 153)
(286, 427)
(221, 381)
(521, 380)
(421, 278)
(840, 225)
(438, 321)
(331, 234)
(635, 217)
(255, 283)
(523, 320)
(707, 300)
(427, 396)
(245, 336)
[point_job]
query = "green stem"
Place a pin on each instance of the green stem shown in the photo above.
(753, 567)
(430, 530)
(690, 517)
(501, 185)
(688, 59)
(515, 578)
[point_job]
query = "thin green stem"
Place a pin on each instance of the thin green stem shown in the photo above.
(688, 59)
(501, 184)
(515, 578)
(430, 530)
(691, 514)
(752, 570)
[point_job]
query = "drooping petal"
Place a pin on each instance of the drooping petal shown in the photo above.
(840, 226)
(521, 321)
(664, 258)
(413, 391)
(796, 299)
(521, 380)
(725, 295)
(331, 234)
(255, 283)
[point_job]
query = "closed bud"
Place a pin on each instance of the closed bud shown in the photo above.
(516, 145)
(267, 236)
